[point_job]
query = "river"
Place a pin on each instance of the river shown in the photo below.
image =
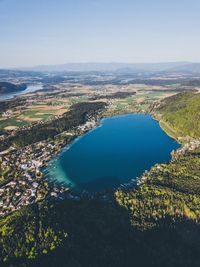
(30, 88)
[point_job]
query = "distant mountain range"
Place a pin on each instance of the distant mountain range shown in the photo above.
(120, 67)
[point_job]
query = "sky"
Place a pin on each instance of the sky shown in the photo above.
(45, 32)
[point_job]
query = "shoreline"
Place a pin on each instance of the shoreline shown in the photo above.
(159, 120)
(99, 124)
(51, 149)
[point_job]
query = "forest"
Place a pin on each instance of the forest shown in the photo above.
(182, 113)
(48, 130)
(156, 223)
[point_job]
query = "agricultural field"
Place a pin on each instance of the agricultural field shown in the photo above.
(49, 104)
(139, 103)
(32, 114)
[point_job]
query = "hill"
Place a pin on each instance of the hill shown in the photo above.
(154, 224)
(187, 68)
(181, 114)
(169, 67)
(110, 66)
(6, 87)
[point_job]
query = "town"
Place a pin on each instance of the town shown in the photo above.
(24, 181)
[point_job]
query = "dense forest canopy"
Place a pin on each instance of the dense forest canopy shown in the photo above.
(156, 224)
(182, 112)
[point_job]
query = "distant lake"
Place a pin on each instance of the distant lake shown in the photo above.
(119, 150)
(30, 88)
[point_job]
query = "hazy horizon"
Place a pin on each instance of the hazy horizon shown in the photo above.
(48, 32)
(104, 62)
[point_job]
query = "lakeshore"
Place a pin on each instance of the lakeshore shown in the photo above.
(28, 162)
(23, 164)
(165, 195)
(112, 155)
(33, 186)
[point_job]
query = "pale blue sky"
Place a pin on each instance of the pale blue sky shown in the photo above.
(34, 32)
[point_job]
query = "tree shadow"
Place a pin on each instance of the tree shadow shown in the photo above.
(100, 184)
(101, 234)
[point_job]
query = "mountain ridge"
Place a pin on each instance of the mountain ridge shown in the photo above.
(113, 66)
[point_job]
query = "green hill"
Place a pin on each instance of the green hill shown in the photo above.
(6, 87)
(155, 225)
(181, 114)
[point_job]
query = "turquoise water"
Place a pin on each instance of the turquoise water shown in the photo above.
(119, 150)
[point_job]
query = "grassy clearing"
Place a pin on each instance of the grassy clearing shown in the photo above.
(75, 100)
(12, 122)
(43, 114)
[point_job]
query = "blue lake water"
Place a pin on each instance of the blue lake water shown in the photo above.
(121, 149)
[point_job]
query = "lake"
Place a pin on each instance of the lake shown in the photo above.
(30, 88)
(119, 150)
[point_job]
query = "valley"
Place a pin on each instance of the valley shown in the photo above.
(36, 126)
